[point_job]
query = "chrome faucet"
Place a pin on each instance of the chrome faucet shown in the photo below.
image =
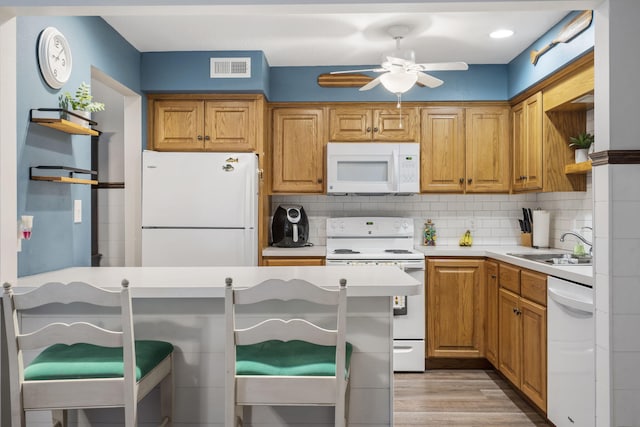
(585, 241)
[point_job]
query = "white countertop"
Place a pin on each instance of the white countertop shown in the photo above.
(209, 282)
(576, 273)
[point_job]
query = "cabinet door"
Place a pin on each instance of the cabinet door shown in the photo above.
(278, 262)
(455, 308)
(298, 143)
(396, 125)
(518, 136)
(509, 336)
(487, 150)
(350, 124)
(491, 331)
(533, 319)
(178, 125)
(442, 150)
(229, 126)
(533, 121)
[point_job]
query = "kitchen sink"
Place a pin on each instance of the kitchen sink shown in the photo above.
(561, 258)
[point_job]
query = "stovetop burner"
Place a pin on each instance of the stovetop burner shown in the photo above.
(345, 251)
(398, 251)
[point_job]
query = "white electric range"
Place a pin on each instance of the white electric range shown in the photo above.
(386, 241)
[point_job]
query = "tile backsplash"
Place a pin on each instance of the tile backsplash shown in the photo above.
(493, 219)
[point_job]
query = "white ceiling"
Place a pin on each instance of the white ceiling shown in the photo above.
(334, 35)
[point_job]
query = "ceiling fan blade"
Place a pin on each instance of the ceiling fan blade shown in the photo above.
(373, 83)
(428, 80)
(442, 66)
(377, 70)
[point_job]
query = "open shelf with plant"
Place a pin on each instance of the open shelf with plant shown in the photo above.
(44, 117)
(69, 178)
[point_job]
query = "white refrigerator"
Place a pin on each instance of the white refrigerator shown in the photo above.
(199, 209)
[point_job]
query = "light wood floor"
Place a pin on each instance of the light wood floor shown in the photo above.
(469, 398)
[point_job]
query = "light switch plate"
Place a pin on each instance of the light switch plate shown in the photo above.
(77, 211)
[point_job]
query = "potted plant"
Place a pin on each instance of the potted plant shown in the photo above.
(81, 103)
(581, 143)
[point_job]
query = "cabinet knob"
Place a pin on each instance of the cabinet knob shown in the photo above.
(368, 129)
(515, 310)
(207, 138)
(461, 180)
(375, 129)
(319, 180)
(199, 137)
(469, 180)
(493, 276)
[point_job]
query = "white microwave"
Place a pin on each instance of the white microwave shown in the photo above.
(373, 168)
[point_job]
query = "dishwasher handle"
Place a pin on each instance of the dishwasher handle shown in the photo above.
(570, 302)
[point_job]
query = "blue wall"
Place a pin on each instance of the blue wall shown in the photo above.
(186, 72)
(57, 242)
(523, 74)
(480, 82)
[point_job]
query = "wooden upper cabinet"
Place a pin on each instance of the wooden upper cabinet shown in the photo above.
(442, 150)
(455, 308)
(487, 150)
(361, 124)
(298, 145)
(178, 125)
(229, 126)
(527, 144)
(196, 123)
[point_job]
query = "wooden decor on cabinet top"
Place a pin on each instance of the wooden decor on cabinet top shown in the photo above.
(204, 122)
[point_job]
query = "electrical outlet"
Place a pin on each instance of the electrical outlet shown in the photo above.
(77, 211)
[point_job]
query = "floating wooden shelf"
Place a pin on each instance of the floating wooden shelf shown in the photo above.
(578, 168)
(69, 179)
(62, 124)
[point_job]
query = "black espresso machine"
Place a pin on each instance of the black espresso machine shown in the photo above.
(290, 227)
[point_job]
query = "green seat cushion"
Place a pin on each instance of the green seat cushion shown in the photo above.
(61, 361)
(291, 358)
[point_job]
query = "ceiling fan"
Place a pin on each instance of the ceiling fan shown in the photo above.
(400, 71)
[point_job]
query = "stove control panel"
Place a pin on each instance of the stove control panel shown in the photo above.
(370, 227)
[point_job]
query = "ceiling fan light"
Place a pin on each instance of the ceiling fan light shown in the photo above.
(398, 82)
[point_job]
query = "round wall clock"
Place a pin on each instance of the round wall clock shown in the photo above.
(54, 57)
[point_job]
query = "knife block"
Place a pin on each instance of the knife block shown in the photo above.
(525, 239)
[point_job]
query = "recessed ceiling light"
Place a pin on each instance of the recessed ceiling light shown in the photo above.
(501, 34)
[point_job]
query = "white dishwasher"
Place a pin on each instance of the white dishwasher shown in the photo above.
(571, 361)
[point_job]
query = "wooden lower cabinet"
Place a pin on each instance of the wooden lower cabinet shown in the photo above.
(491, 330)
(534, 352)
(455, 308)
(523, 336)
(294, 262)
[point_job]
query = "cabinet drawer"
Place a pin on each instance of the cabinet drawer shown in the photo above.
(509, 277)
(534, 286)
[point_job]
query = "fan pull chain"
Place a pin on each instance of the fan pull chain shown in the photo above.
(399, 106)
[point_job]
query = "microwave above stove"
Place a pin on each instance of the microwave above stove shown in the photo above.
(373, 168)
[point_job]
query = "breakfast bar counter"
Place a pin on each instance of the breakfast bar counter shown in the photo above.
(185, 306)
